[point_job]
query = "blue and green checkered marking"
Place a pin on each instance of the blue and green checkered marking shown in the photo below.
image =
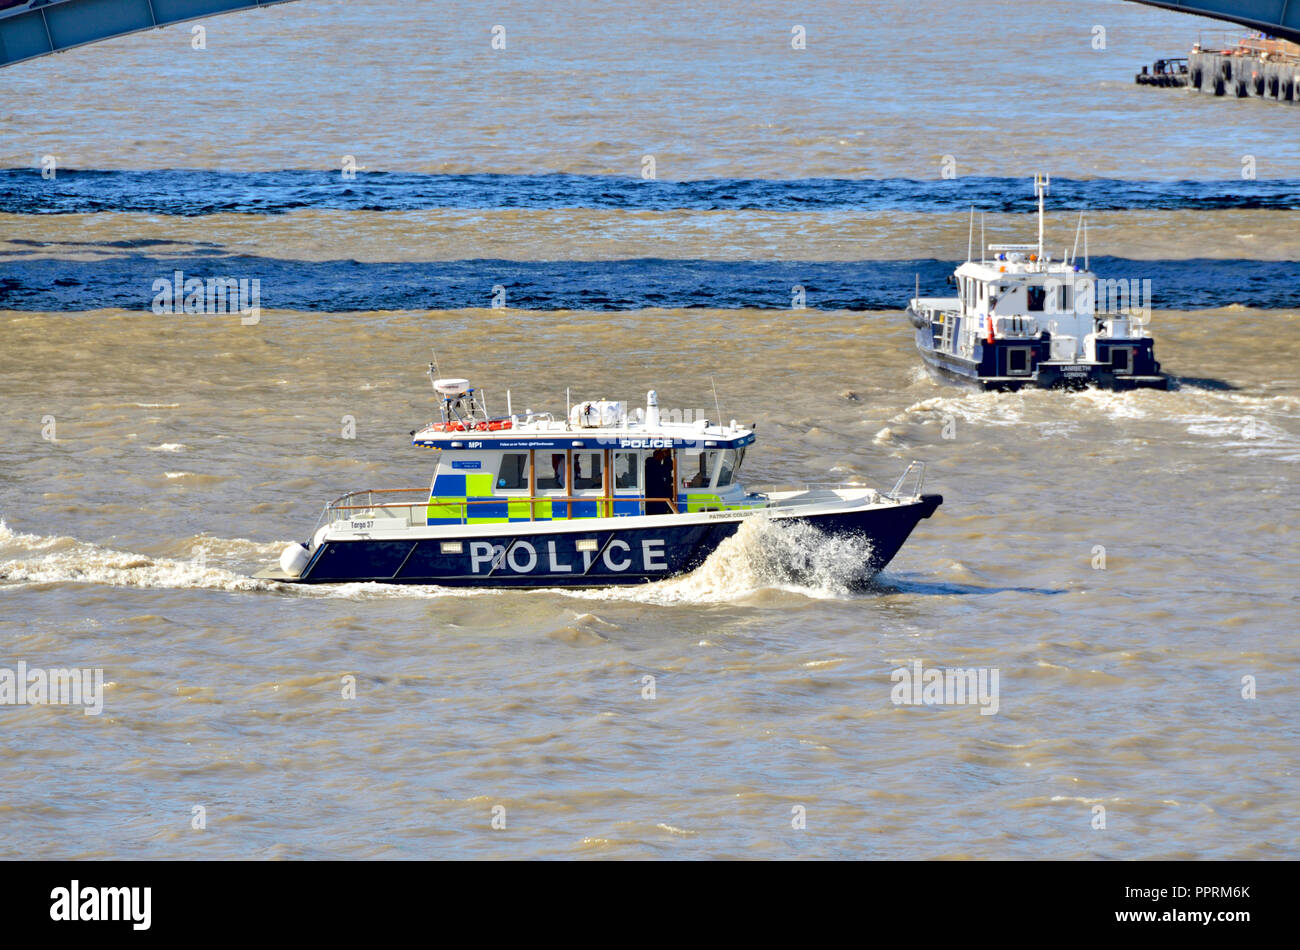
(468, 499)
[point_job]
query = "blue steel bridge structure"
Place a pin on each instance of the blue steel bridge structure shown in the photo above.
(1278, 18)
(32, 28)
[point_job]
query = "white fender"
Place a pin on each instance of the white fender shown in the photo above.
(293, 559)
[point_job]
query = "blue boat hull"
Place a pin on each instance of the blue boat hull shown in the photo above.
(593, 554)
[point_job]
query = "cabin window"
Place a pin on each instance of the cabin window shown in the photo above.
(730, 462)
(626, 470)
(587, 471)
(696, 469)
(550, 471)
(514, 471)
(1037, 298)
(1063, 300)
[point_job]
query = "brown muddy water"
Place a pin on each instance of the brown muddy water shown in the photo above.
(188, 450)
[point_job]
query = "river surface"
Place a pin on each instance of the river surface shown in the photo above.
(1126, 563)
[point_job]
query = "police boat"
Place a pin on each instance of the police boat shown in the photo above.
(600, 497)
(1021, 319)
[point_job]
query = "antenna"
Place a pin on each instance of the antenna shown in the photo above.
(508, 409)
(982, 244)
(715, 399)
(434, 375)
(970, 232)
(1041, 183)
(918, 282)
(1075, 253)
(1085, 245)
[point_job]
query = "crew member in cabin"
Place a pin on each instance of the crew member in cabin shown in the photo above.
(701, 478)
(659, 482)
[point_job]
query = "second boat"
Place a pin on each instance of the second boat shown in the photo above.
(1022, 319)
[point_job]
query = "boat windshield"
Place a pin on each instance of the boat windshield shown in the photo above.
(710, 465)
(731, 459)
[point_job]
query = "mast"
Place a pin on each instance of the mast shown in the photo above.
(1041, 181)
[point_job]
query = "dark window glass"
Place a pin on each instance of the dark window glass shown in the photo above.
(625, 469)
(587, 472)
(550, 471)
(514, 471)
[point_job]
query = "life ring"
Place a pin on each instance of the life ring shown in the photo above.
(491, 425)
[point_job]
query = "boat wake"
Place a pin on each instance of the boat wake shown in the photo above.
(35, 559)
(763, 555)
(1243, 424)
(217, 564)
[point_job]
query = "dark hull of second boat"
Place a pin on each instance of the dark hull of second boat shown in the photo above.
(992, 371)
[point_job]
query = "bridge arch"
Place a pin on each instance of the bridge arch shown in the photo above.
(31, 28)
(1280, 18)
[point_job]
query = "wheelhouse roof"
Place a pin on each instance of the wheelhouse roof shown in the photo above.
(992, 270)
(559, 436)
